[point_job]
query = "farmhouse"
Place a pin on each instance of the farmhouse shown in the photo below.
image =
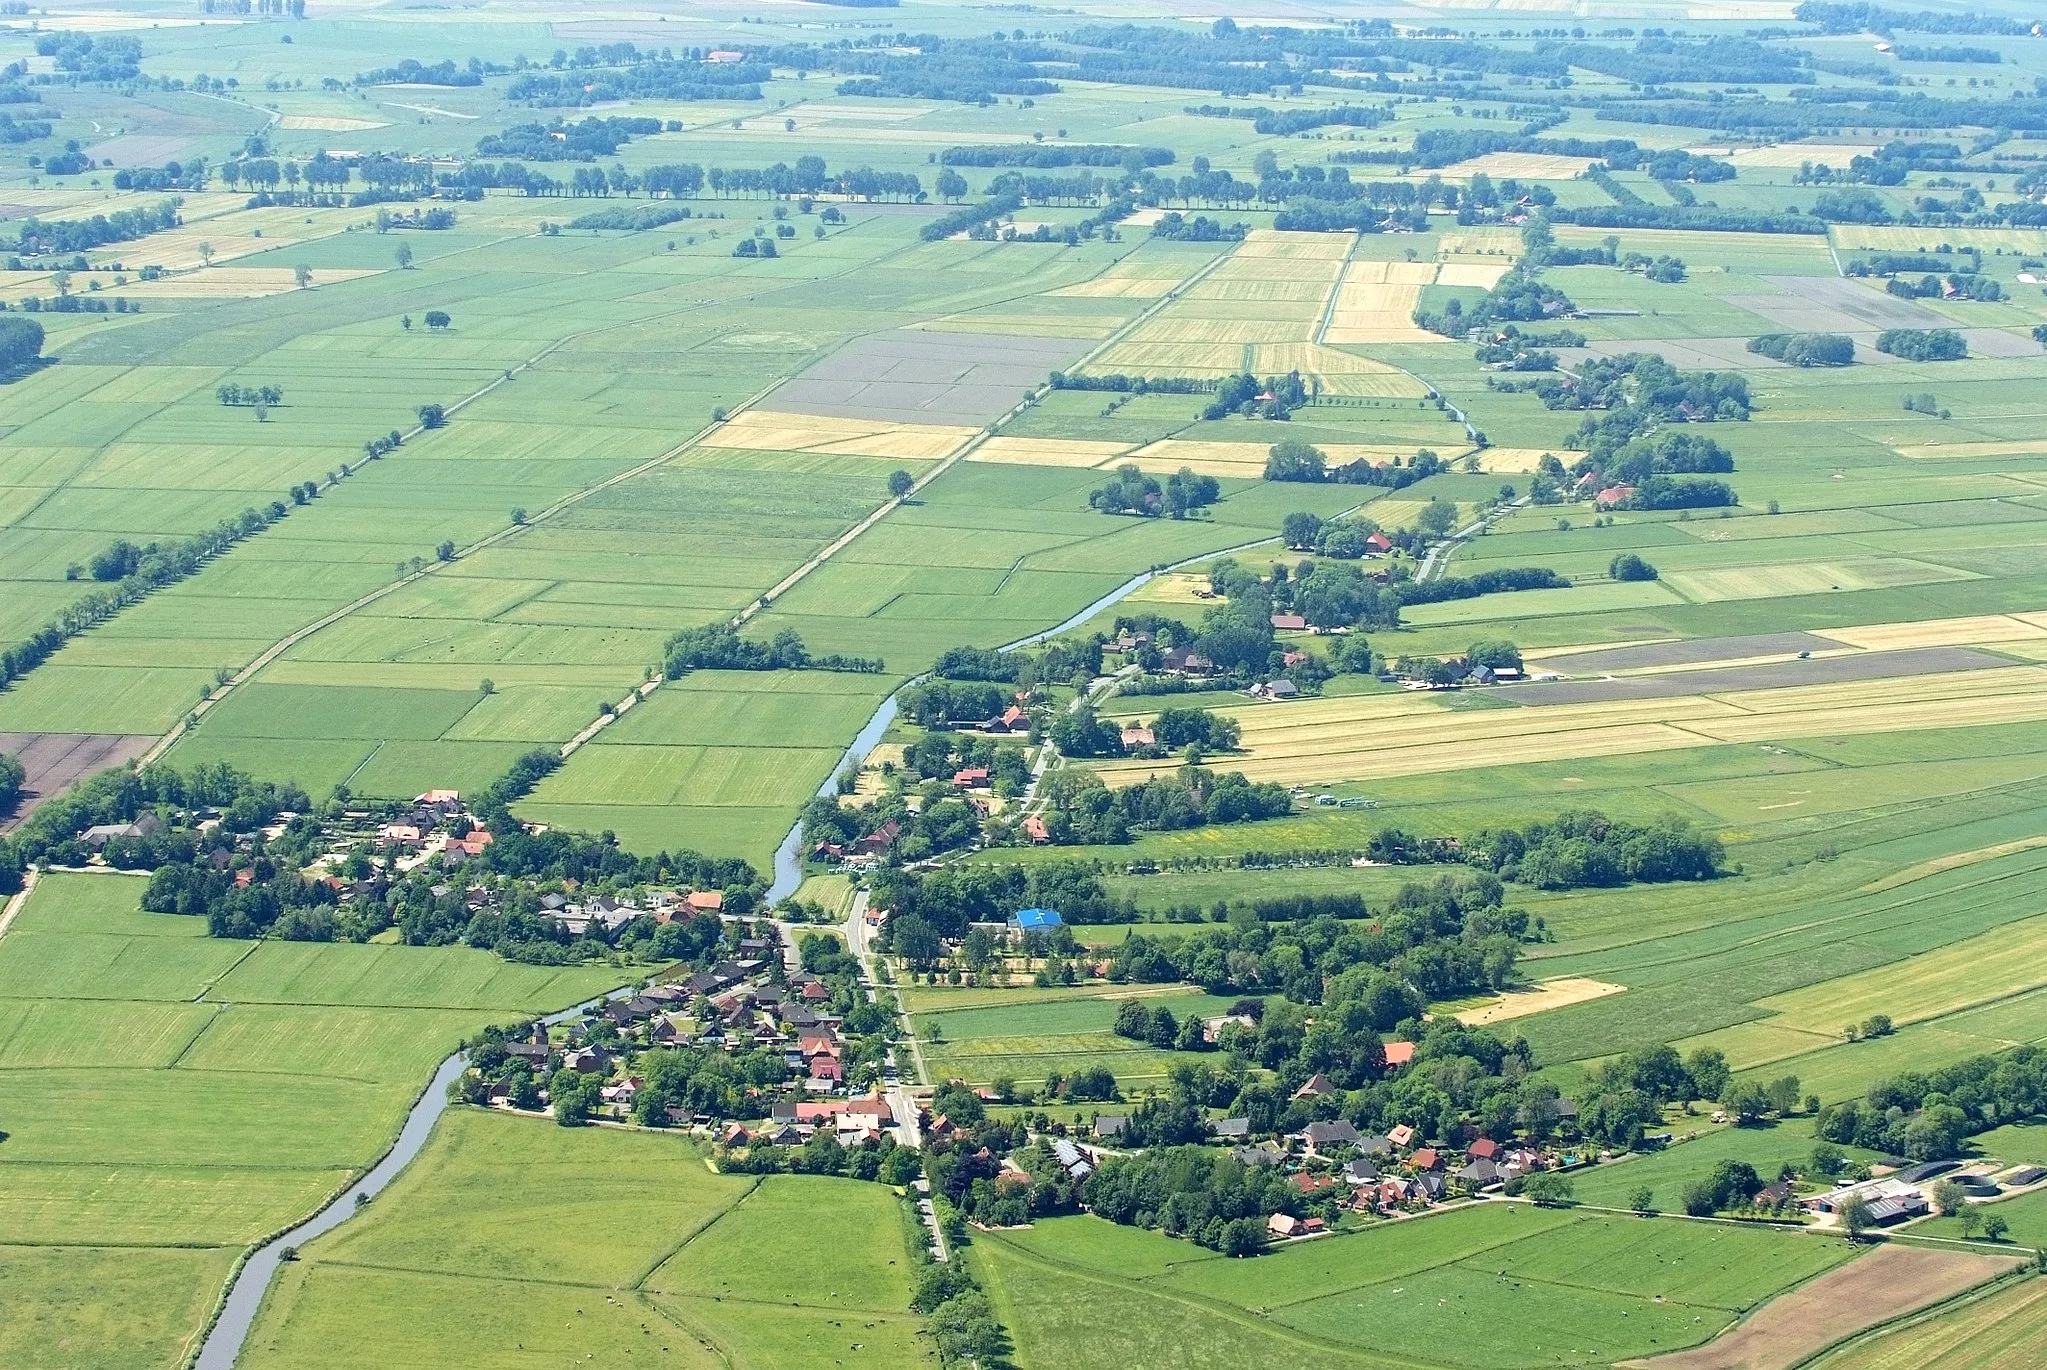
(1035, 920)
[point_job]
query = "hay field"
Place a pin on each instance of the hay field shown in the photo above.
(1522, 166)
(1929, 985)
(1309, 247)
(1954, 861)
(1049, 451)
(1884, 238)
(765, 430)
(1382, 736)
(1244, 459)
(235, 282)
(1549, 994)
(1807, 578)
(1973, 451)
(1483, 275)
(1480, 242)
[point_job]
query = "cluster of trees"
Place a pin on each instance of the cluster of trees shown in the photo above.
(1084, 812)
(1629, 567)
(1520, 296)
(968, 218)
(245, 395)
(1497, 581)
(941, 754)
(631, 218)
(1133, 492)
(35, 236)
(1626, 1094)
(1133, 385)
(12, 776)
(1923, 344)
(944, 703)
(410, 71)
(170, 176)
(650, 79)
(1177, 227)
(1672, 164)
(1956, 286)
(1583, 847)
(1629, 395)
(1929, 1115)
(719, 647)
(1806, 349)
(1274, 398)
(928, 909)
(562, 141)
(107, 57)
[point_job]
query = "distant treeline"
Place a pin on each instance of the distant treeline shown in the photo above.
(647, 80)
(719, 647)
(632, 217)
(970, 217)
(1863, 18)
(561, 141)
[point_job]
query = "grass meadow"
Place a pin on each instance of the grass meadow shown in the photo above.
(172, 1098)
(1585, 1289)
(618, 1245)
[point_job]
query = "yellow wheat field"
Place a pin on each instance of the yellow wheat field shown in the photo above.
(1327, 740)
(1836, 155)
(1375, 302)
(1271, 242)
(1501, 460)
(1177, 359)
(767, 430)
(1048, 452)
(1176, 327)
(1117, 288)
(1981, 630)
(1482, 242)
(1260, 291)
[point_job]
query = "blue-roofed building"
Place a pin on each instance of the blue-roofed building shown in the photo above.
(1035, 920)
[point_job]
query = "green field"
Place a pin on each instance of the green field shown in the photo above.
(1026, 1035)
(171, 1098)
(1586, 1289)
(617, 1245)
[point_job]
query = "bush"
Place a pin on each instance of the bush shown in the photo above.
(21, 343)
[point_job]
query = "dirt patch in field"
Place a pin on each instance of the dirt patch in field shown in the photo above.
(910, 376)
(57, 761)
(1888, 1283)
(1776, 675)
(1519, 1003)
(1832, 304)
(1694, 650)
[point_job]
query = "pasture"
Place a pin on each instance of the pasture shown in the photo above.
(617, 1244)
(163, 1106)
(1590, 1289)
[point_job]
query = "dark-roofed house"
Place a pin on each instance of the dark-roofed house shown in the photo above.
(1361, 1171)
(1321, 1136)
(1480, 1174)
(1232, 1128)
(1110, 1125)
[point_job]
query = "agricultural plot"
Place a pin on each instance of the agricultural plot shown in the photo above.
(1025, 1035)
(2004, 1330)
(790, 1270)
(163, 1107)
(1589, 1289)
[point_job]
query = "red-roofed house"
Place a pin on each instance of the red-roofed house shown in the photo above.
(705, 901)
(1399, 1053)
(1034, 828)
(1614, 495)
(1484, 1149)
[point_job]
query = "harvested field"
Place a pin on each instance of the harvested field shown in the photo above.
(1879, 238)
(1483, 275)
(1523, 166)
(1484, 242)
(1976, 451)
(1183, 359)
(1375, 302)
(1372, 737)
(57, 761)
(1559, 993)
(1776, 675)
(768, 430)
(235, 282)
(2005, 1331)
(1502, 460)
(1048, 451)
(1836, 155)
(1807, 578)
(911, 376)
(1689, 652)
(1889, 1282)
(323, 123)
(1944, 632)
(1271, 242)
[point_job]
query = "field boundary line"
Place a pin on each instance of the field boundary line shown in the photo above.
(193, 1040)
(640, 1284)
(1967, 1297)
(675, 1319)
